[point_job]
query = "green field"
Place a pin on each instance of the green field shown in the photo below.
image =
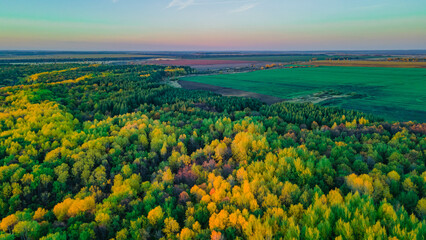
(394, 93)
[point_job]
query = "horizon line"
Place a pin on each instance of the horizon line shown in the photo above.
(209, 51)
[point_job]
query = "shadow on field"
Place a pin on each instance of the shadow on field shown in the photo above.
(228, 92)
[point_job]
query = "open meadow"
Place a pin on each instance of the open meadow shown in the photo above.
(394, 93)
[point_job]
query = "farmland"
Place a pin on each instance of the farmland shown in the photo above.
(287, 57)
(351, 63)
(394, 93)
(205, 64)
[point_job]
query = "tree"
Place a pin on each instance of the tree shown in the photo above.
(39, 214)
(421, 208)
(70, 207)
(55, 236)
(186, 234)
(122, 234)
(27, 229)
(81, 205)
(171, 226)
(216, 235)
(61, 209)
(8, 222)
(362, 183)
(102, 218)
(219, 221)
(155, 216)
(394, 176)
(344, 230)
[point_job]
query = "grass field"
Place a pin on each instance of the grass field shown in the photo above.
(394, 93)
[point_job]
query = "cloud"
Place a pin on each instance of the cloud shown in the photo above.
(244, 8)
(180, 4)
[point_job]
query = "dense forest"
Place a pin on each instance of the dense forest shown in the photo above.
(113, 152)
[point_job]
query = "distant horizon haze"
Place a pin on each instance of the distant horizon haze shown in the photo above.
(218, 52)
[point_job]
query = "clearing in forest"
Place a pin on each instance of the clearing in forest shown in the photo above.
(394, 93)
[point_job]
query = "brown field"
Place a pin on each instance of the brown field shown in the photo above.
(198, 62)
(228, 92)
(349, 63)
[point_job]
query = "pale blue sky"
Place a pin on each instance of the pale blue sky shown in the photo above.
(212, 25)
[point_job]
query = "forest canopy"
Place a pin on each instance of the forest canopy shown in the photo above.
(113, 152)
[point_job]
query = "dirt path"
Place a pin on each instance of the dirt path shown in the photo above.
(228, 91)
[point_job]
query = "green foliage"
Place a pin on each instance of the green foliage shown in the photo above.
(102, 152)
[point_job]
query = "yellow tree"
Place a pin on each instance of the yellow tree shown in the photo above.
(171, 226)
(421, 207)
(155, 215)
(8, 222)
(186, 234)
(39, 214)
(219, 221)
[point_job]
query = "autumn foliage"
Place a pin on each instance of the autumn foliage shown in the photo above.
(111, 152)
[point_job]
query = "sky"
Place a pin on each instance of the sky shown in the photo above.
(207, 25)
